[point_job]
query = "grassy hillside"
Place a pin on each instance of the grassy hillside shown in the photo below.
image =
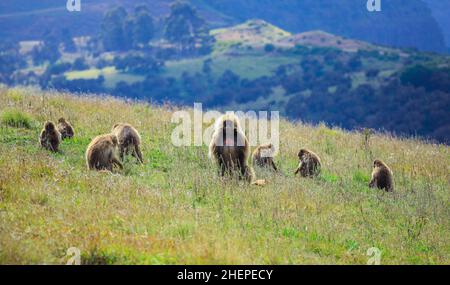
(174, 209)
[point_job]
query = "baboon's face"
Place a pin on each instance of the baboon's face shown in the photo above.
(301, 154)
(61, 120)
(229, 132)
(114, 141)
(49, 126)
(377, 163)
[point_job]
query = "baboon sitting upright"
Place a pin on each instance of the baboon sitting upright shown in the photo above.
(309, 165)
(101, 154)
(263, 156)
(229, 148)
(129, 140)
(50, 138)
(382, 176)
(65, 128)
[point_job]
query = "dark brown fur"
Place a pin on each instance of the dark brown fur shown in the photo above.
(50, 138)
(101, 154)
(229, 147)
(129, 141)
(309, 165)
(382, 176)
(263, 156)
(65, 128)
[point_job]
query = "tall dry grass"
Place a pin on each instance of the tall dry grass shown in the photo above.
(175, 210)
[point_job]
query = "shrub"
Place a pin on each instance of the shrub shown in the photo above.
(16, 119)
(269, 48)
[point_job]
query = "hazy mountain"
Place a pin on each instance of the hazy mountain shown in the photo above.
(441, 11)
(401, 23)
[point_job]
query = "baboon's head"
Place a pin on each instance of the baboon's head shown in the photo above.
(230, 128)
(302, 153)
(115, 126)
(114, 140)
(267, 150)
(377, 163)
(49, 126)
(61, 120)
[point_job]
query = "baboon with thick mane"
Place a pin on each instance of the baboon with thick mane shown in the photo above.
(309, 165)
(263, 156)
(65, 128)
(50, 138)
(101, 153)
(129, 140)
(230, 149)
(382, 176)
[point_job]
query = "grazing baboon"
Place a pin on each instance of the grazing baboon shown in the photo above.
(50, 138)
(101, 154)
(263, 156)
(65, 128)
(129, 141)
(309, 165)
(382, 176)
(229, 148)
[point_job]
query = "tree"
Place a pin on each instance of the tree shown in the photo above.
(207, 66)
(187, 29)
(10, 60)
(48, 50)
(112, 30)
(67, 40)
(143, 29)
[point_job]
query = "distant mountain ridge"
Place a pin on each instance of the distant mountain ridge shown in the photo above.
(400, 24)
(441, 11)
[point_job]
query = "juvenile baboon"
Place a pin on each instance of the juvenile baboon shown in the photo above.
(129, 141)
(309, 165)
(65, 128)
(50, 138)
(101, 154)
(263, 156)
(382, 176)
(229, 148)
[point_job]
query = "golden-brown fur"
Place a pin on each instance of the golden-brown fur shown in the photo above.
(263, 156)
(382, 176)
(101, 154)
(229, 148)
(309, 165)
(129, 140)
(50, 138)
(65, 128)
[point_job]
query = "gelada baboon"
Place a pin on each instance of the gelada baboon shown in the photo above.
(50, 138)
(309, 165)
(65, 128)
(129, 141)
(230, 149)
(382, 176)
(263, 156)
(101, 154)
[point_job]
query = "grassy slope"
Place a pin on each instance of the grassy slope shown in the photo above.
(174, 209)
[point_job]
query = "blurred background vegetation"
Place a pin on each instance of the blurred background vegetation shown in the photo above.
(312, 61)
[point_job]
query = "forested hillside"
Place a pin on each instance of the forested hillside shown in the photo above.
(313, 76)
(401, 23)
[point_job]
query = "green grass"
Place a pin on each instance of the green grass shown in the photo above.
(15, 118)
(175, 210)
(247, 65)
(112, 76)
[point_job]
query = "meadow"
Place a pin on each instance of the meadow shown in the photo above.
(175, 210)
